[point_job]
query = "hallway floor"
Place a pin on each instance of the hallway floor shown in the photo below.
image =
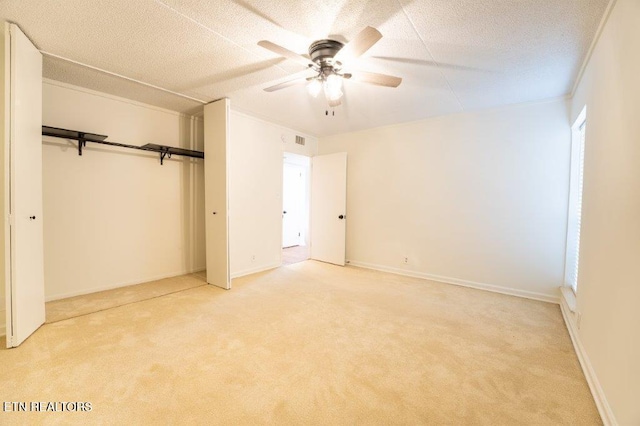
(295, 254)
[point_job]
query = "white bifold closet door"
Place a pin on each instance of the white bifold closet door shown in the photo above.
(329, 207)
(23, 126)
(216, 187)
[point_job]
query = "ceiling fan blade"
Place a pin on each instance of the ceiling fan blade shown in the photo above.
(411, 61)
(285, 53)
(374, 78)
(360, 44)
(296, 78)
(424, 62)
(251, 9)
(284, 84)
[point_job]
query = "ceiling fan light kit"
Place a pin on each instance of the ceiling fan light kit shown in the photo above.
(314, 87)
(332, 87)
(326, 58)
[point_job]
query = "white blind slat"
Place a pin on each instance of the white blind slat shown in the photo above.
(575, 208)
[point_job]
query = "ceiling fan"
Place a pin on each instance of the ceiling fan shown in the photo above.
(327, 64)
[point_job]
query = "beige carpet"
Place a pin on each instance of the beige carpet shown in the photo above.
(308, 343)
(294, 254)
(71, 307)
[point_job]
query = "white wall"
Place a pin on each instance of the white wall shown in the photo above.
(608, 281)
(114, 217)
(476, 199)
(255, 195)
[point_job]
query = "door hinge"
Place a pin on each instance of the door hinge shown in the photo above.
(11, 222)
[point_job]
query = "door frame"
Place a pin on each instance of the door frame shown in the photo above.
(304, 214)
(305, 162)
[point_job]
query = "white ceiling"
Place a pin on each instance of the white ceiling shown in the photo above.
(453, 55)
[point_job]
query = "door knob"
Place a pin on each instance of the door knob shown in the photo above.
(32, 217)
(284, 212)
(341, 216)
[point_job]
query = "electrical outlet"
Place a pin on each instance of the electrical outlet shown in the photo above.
(405, 260)
(253, 257)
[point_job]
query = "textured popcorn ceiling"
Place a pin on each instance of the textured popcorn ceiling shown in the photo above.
(453, 55)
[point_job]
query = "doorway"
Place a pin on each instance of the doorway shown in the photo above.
(295, 208)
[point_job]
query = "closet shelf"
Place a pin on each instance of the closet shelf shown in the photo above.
(84, 137)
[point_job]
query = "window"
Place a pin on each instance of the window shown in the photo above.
(575, 201)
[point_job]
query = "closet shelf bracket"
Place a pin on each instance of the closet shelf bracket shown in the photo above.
(84, 137)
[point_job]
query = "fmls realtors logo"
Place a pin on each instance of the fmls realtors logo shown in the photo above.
(52, 406)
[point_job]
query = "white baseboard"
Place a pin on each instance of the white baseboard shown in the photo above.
(594, 384)
(447, 280)
(118, 285)
(255, 270)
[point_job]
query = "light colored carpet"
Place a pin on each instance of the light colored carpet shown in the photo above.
(71, 307)
(294, 254)
(308, 343)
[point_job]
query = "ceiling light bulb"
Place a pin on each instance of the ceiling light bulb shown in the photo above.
(332, 87)
(314, 87)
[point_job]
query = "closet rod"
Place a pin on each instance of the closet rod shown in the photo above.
(84, 137)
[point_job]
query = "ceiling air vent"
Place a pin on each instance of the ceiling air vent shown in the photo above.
(299, 140)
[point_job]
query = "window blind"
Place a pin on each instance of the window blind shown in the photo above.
(575, 206)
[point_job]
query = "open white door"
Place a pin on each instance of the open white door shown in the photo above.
(216, 186)
(23, 126)
(328, 207)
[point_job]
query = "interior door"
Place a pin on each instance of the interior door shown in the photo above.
(216, 187)
(292, 204)
(328, 207)
(25, 291)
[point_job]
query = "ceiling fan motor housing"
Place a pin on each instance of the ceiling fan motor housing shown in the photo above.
(323, 51)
